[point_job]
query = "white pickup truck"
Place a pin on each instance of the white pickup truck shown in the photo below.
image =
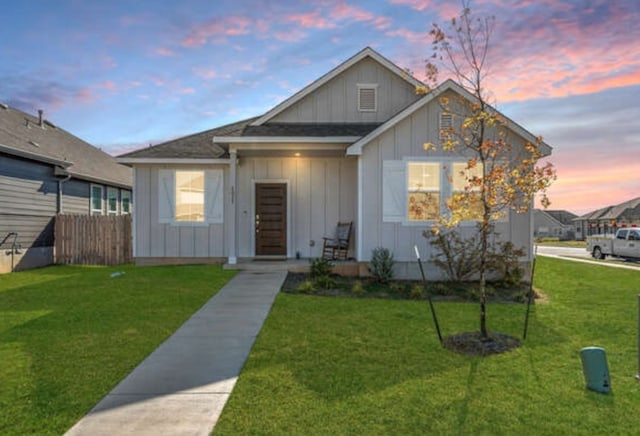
(625, 243)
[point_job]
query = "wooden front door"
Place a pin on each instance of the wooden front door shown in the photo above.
(271, 219)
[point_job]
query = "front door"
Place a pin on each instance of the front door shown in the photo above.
(271, 219)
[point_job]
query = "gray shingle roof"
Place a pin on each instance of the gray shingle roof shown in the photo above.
(309, 129)
(21, 134)
(197, 146)
(562, 216)
(613, 212)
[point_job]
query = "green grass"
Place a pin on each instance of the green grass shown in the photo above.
(68, 335)
(360, 366)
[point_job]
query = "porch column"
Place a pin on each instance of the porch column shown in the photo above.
(233, 157)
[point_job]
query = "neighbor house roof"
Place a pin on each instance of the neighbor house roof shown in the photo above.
(356, 148)
(562, 216)
(612, 212)
(197, 146)
(33, 138)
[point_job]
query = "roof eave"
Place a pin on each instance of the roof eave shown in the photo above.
(34, 156)
(131, 161)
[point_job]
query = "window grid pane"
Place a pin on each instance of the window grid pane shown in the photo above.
(424, 191)
(190, 196)
(96, 198)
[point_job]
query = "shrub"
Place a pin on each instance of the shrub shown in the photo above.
(381, 265)
(417, 292)
(357, 288)
(458, 257)
(320, 267)
(397, 288)
(306, 287)
(324, 282)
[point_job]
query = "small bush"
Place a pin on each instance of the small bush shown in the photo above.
(381, 265)
(357, 288)
(306, 287)
(320, 267)
(397, 288)
(442, 289)
(324, 282)
(417, 292)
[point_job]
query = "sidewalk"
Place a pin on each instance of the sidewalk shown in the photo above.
(183, 385)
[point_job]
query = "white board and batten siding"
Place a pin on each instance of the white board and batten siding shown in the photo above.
(159, 236)
(337, 100)
(384, 187)
(320, 193)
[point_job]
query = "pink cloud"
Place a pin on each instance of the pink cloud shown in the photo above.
(310, 20)
(204, 73)
(108, 85)
(163, 51)
(343, 11)
(410, 35)
(217, 29)
(418, 5)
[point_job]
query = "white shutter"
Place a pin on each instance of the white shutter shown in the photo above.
(166, 196)
(394, 191)
(214, 196)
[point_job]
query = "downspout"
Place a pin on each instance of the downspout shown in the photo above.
(60, 183)
(232, 258)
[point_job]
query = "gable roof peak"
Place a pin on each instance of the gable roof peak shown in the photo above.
(362, 54)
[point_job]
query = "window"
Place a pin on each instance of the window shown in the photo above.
(96, 199)
(622, 234)
(367, 97)
(190, 196)
(634, 235)
(467, 190)
(112, 201)
(418, 191)
(125, 199)
(423, 182)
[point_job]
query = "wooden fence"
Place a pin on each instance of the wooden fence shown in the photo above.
(93, 240)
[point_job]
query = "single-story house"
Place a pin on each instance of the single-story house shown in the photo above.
(554, 224)
(349, 147)
(607, 220)
(44, 171)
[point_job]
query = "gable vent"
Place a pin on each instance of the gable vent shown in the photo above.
(367, 98)
(446, 123)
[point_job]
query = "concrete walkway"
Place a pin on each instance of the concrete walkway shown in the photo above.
(181, 388)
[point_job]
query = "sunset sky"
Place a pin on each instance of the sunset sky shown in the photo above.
(123, 74)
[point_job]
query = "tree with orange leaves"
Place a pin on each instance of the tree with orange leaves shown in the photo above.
(500, 175)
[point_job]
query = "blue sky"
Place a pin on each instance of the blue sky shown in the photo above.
(124, 74)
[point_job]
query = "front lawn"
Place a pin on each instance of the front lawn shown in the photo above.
(325, 365)
(69, 334)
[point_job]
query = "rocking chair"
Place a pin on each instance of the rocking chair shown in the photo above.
(337, 248)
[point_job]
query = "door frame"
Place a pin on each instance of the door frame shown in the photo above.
(287, 184)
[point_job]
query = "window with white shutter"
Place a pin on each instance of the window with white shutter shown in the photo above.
(367, 97)
(190, 196)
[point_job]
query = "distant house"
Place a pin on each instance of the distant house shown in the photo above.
(608, 220)
(349, 147)
(45, 170)
(554, 224)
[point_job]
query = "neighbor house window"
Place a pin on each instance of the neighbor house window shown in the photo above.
(96, 199)
(423, 183)
(367, 97)
(125, 199)
(112, 201)
(190, 196)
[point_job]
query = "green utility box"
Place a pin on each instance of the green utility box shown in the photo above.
(596, 370)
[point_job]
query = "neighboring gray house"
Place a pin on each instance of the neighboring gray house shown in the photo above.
(554, 224)
(608, 220)
(348, 147)
(44, 171)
